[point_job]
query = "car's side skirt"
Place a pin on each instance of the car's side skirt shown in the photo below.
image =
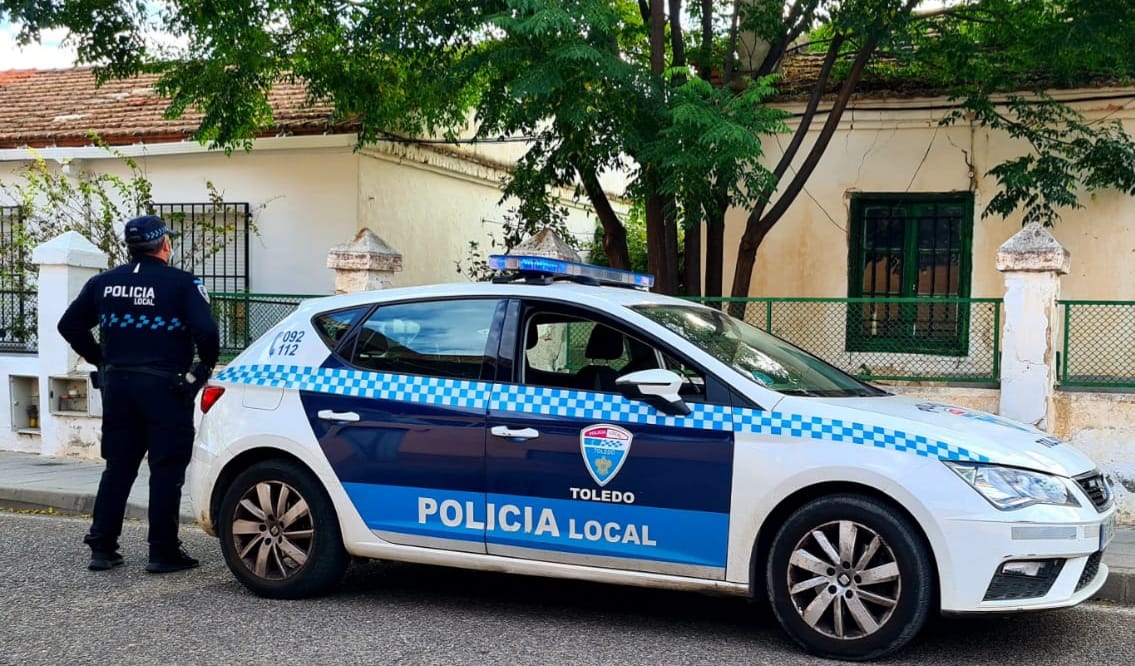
(517, 565)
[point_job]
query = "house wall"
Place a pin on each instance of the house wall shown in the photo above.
(429, 205)
(304, 201)
(899, 146)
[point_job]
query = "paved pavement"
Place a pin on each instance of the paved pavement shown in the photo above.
(31, 481)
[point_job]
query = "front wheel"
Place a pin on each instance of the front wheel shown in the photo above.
(279, 533)
(850, 578)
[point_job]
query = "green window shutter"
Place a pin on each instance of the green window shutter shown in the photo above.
(910, 259)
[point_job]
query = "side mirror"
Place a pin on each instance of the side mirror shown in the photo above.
(659, 388)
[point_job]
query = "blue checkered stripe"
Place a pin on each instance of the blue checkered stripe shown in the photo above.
(835, 430)
(585, 405)
(128, 320)
(604, 407)
(343, 381)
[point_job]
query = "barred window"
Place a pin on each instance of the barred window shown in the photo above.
(211, 241)
(918, 248)
(17, 295)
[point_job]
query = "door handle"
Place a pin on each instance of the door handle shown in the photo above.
(519, 433)
(328, 415)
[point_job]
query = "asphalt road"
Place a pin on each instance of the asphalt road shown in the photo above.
(54, 611)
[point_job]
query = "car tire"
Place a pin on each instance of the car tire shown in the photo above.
(850, 577)
(279, 532)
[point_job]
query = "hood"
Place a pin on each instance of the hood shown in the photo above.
(1001, 440)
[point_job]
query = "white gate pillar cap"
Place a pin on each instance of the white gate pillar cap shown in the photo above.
(1033, 250)
(69, 249)
(546, 243)
(367, 252)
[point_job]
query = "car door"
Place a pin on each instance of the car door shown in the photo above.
(579, 474)
(400, 414)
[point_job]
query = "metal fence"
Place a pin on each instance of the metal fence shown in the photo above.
(1098, 344)
(242, 318)
(895, 339)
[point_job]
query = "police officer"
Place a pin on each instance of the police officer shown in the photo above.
(150, 318)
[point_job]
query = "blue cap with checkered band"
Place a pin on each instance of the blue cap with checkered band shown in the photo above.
(144, 229)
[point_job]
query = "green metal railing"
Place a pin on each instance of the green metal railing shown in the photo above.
(940, 339)
(1099, 344)
(242, 318)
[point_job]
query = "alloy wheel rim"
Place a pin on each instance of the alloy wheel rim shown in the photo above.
(844, 580)
(273, 530)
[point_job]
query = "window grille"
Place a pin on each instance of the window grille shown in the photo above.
(17, 295)
(211, 241)
(916, 247)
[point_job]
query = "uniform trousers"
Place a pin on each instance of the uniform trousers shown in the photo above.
(142, 414)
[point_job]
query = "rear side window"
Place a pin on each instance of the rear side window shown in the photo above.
(332, 326)
(435, 338)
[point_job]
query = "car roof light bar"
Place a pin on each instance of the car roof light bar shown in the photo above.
(530, 266)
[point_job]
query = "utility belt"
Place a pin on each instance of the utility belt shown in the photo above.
(173, 376)
(186, 382)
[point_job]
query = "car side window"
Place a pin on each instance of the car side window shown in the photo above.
(569, 351)
(435, 338)
(332, 326)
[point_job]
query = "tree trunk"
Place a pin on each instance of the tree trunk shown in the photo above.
(692, 255)
(714, 251)
(614, 233)
(657, 262)
(670, 220)
(757, 226)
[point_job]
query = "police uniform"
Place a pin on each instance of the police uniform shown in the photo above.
(150, 316)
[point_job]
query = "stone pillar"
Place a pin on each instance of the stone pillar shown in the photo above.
(65, 262)
(364, 264)
(546, 243)
(1032, 262)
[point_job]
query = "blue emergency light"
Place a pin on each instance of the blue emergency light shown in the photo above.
(544, 266)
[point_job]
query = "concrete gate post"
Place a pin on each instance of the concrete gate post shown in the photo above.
(363, 264)
(1032, 262)
(65, 262)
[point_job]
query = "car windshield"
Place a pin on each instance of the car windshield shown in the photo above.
(759, 356)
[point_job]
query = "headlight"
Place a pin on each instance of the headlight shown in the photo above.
(1009, 488)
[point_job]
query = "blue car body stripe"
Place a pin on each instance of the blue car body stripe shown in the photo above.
(696, 538)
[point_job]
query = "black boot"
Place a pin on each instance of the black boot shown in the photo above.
(101, 561)
(178, 560)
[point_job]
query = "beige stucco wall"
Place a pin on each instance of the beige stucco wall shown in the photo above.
(898, 146)
(429, 205)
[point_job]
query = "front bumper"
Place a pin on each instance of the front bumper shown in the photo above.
(973, 581)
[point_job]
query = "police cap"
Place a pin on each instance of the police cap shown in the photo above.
(144, 229)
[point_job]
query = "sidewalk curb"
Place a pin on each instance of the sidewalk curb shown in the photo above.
(68, 503)
(1120, 587)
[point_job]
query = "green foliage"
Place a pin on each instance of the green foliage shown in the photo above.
(1068, 154)
(710, 150)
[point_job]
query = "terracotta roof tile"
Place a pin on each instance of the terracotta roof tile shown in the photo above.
(60, 107)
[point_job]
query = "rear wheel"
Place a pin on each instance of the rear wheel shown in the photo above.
(850, 578)
(279, 533)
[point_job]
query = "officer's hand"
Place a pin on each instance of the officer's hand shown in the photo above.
(198, 375)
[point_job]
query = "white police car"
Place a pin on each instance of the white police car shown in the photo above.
(553, 428)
